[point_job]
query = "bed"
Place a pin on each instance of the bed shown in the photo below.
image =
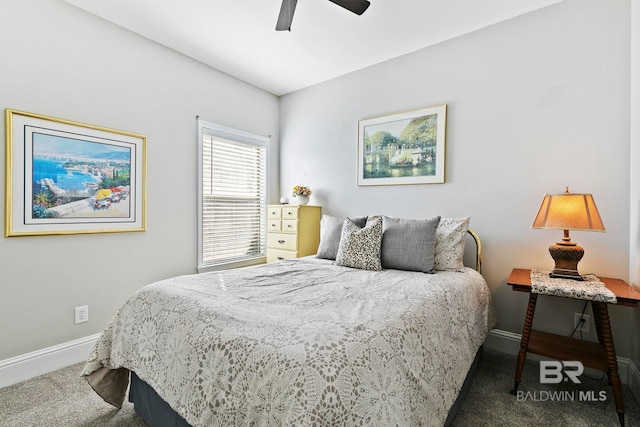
(298, 343)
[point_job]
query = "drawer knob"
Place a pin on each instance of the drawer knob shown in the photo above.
(289, 213)
(289, 225)
(280, 241)
(280, 258)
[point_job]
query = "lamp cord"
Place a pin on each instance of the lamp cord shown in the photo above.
(579, 325)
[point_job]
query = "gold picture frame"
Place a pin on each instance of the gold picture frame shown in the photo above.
(66, 177)
(403, 148)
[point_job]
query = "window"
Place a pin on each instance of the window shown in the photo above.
(232, 196)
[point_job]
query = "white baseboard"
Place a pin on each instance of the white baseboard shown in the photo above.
(29, 365)
(503, 341)
(634, 380)
(509, 343)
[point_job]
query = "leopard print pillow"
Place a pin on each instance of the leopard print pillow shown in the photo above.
(360, 247)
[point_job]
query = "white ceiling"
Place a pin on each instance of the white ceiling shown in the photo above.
(238, 37)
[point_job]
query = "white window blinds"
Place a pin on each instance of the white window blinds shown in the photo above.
(233, 196)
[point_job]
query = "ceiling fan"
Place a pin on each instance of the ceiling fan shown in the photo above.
(288, 6)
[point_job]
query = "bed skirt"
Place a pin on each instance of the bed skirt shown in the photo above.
(153, 410)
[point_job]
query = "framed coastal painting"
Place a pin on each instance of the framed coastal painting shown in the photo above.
(403, 148)
(65, 177)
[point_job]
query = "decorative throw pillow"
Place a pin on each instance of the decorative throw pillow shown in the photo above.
(409, 244)
(360, 247)
(450, 242)
(330, 231)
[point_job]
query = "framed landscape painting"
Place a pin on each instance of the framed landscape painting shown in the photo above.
(65, 177)
(403, 148)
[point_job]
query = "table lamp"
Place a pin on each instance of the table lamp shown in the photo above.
(567, 211)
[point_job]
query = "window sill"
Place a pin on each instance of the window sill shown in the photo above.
(229, 265)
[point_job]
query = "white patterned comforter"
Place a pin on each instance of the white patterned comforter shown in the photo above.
(299, 343)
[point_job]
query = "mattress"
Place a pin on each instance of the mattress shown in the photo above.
(298, 342)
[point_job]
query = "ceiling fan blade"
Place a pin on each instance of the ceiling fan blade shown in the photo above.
(356, 6)
(286, 15)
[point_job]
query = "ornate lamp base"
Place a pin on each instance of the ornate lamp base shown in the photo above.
(566, 257)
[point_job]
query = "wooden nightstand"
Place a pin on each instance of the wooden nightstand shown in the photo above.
(292, 231)
(600, 355)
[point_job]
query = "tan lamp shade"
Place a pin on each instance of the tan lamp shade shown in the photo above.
(567, 211)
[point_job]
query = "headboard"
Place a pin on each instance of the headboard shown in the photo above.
(473, 251)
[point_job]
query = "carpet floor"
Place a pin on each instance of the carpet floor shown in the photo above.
(63, 398)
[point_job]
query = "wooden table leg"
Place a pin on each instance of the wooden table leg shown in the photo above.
(603, 327)
(524, 342)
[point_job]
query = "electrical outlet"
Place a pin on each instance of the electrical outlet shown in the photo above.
(82, 314)
(586, 326)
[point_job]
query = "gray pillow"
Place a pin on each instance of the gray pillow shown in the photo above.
(409, 244)
(360, 247)
(330, 231)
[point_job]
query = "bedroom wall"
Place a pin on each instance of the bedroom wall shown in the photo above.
(535, 104)
(60, 61)
(634, 232)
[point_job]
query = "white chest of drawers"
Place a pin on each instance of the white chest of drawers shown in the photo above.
(292, 231)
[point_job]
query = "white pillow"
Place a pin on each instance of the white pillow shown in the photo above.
(451, 236)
